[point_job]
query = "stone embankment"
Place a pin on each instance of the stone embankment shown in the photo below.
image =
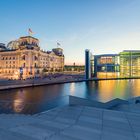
(12, 84)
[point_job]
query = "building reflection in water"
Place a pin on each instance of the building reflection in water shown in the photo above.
(72, 88)
(91, 90)
(105, 90)
(111, 89)
(19, 101)
(136, 87)
(34, 100)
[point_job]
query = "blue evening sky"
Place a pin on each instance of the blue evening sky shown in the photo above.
(103, 26)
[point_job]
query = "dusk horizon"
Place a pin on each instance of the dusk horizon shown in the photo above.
(101, 26)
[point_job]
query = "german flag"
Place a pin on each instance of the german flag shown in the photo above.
(30, 31)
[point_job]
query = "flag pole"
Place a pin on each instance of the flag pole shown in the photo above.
(58, 44)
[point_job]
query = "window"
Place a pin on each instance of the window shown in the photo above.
(35, 65)
(23, 57)
(23, 65)
(35, 58)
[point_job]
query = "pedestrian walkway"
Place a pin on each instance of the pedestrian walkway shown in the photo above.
(71, 123)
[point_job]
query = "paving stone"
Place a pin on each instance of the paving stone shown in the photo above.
(91, 125)
(65, 120)
(110, 136)
(8, 135)
(114, 113)
(13, 122)
(137, 135)
(132, 115)
(69, 114)
(46, 117)
(136, 128)
(117, 131)
(81, 133)
(90, 119)
(98, 131)
(16, 121)
(73, 108)
(115, 124)
(134, 122)
(136, 118)
(33, 132)
(52, 113)
(93, 109)
(47, 127)
(62, 137)
(92, 112)
(115, 118)
(53, 124)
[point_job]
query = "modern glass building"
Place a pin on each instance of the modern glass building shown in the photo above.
(106, 65)
(124, 64)
(130, 63)
(89, 64)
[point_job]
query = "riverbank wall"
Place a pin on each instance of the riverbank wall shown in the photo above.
(41, 82)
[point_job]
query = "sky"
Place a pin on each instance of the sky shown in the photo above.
(103, 26)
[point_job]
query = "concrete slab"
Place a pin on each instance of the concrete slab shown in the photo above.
(81, 133)
(34, 132)
(72, 123)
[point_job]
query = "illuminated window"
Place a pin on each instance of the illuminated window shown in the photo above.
(23, 65)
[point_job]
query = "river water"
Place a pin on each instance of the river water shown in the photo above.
(38, 99)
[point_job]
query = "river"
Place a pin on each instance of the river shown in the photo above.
(33, 100)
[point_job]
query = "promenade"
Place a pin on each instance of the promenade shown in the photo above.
(71, 123)
(53, 79)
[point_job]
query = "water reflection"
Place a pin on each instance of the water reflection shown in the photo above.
(136, 87)
(72, 88)
(38, 99)
(19, 102)
(112, 89)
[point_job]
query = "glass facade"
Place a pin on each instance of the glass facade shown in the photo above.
(106, 65)
(125, 64)
(130, 64)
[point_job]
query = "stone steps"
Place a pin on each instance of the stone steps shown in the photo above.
(71, 123)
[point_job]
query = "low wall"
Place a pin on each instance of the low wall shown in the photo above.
(92, 103)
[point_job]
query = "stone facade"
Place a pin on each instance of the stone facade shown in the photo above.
(23, 58)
